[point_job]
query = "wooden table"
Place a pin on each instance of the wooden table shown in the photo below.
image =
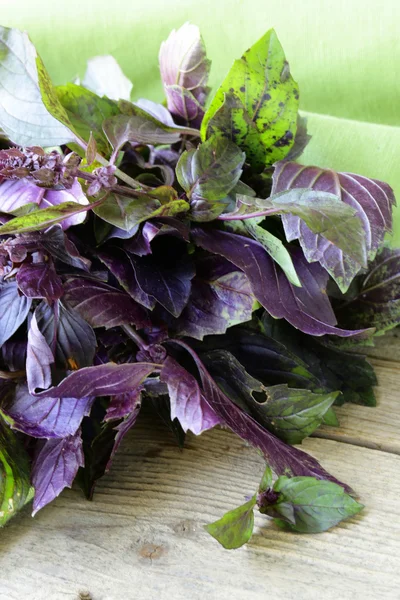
(142, 537)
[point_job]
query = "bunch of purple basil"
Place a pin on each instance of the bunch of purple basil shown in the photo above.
(179, 257)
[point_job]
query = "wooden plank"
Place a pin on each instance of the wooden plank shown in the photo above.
(372, 427)
(142, 538)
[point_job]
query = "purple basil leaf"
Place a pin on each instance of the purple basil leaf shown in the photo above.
(73, 194)
(39, 357)
(373, 200)
(59, 246)
(45, 417)
(377, 303)
(158, 111)
(188, 403)
(324, 213)
(109, 379)
(14, 354)
(221, 296)
(123, 427)
(208, 174)
(184, 106)
(14, 309)
(184, 72)
(271, 287)
(102, 305)
(70, 337)
(39, 280)
(120, 265)
(54, 468)
(140, 244)
(170, 286)
(123, 404)
(15, 194)
(183, 59)
(283, 459)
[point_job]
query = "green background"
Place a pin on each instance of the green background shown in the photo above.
(345, 54)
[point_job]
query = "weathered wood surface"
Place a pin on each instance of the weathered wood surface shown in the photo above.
(142, 538)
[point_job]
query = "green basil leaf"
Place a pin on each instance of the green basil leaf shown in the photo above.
(292, 414)
(208, 174)
(256, 105)
(125, 213)
(275, 248)
(42, 218)
(15, 487)
(87, 112)
(311, 505)
(235, 528)
(137, 125)
(266, 480)
(323, 213)
(29, 111)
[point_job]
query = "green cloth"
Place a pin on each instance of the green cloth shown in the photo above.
(345, 54)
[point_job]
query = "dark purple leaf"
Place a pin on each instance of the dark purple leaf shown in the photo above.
(140, 244)
(283, 459)
(123, 428)
(271, 287)
(39, 280)
(39, 357)
(109, 379)
(221, 296)
(208, 174)
(188, 403)
(14, 309)
(14, 354)
(45, 417)
(59, 246)
(120, 265)
(71, 338)
(373, 200)
(102, 305)
(169, 285)
(122, 405)
(377, 303)
(55, 468)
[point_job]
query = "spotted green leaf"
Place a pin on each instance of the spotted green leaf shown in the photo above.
(87, 112)
(257, 103)
(43, 218)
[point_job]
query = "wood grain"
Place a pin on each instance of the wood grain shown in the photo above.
(142, 538)
(372, 427)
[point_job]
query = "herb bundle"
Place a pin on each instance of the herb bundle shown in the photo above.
(178, 255)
